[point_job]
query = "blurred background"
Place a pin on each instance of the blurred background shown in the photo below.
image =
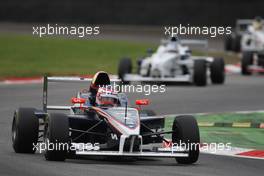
(127, 28)
(128, 12)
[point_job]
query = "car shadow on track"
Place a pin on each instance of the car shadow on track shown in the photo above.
(99, 160)
(127, 161)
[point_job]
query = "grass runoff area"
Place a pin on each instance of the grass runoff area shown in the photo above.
(32, 56)
(252, 138)
(27, 56)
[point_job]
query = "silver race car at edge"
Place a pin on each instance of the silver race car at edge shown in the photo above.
(249, 39)
(173, 62)
(88, 129)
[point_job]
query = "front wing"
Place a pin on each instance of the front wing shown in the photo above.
(133, 154)
(162, 152)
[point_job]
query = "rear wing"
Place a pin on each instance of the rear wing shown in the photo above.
(197, 44)
(244, 22)
(46, 81)
(242, 25)
(193, 42)
(203, 43)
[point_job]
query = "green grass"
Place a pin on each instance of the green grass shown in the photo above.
(31, 56)
(229, 117)
(238, 137)
(24, 55)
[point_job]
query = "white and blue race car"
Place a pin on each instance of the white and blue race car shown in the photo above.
(173, 62)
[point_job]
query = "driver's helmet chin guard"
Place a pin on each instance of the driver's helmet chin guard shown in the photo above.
(106, 97)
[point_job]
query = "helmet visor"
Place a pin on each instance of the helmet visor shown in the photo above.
(108, 100)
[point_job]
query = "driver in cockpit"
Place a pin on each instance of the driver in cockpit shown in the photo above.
(106, 98)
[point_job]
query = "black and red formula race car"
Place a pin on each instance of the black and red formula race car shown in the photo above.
(100, 123)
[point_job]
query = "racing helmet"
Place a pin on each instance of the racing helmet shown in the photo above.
(101, 78)
(174, 39)
(106, 97)
(172, 45)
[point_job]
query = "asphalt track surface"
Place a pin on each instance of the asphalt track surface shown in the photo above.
(239, 93)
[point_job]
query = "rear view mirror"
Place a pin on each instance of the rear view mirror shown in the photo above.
(142, 102)
(75, 100)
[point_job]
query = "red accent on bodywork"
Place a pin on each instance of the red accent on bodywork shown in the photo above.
(167, 144)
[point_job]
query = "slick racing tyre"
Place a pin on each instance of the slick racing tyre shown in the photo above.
(217, 71)
(147, 112)
(139, 62)
(199, 72)
(236, 44)
(228, 43)
(25, 128)
(247, 60)
(124, 67)
(186, 132)
(56, 137)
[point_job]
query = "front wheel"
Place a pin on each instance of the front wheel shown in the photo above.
(56, 137)
(199, 72)
(186, 132)
(217, 69)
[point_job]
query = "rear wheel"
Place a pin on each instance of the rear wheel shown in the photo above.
(25, 128)
(186, 132)
(261, 60)
(56, 137)
(236, 44)
(247, 59)
(125, 67)
(217, 69)
(199, 72)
